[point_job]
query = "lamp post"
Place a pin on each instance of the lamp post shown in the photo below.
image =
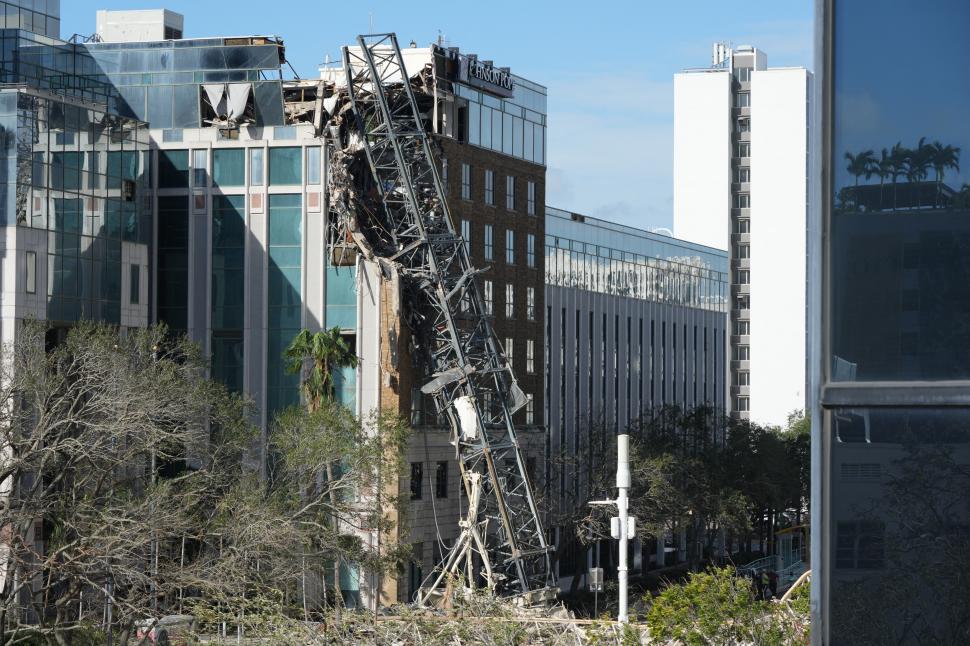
(622, 526)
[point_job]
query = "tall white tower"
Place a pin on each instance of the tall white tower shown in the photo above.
(740, 184)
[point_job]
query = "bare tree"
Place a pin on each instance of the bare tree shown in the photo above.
(115, 449)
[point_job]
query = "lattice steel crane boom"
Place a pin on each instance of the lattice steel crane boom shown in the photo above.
(401, 218)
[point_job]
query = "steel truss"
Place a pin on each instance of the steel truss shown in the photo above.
(469, 377)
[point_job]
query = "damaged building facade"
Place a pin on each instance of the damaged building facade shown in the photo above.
(186, 181)
(240, 260)
(635, 321)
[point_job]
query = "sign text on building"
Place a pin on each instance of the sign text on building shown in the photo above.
(491, 79)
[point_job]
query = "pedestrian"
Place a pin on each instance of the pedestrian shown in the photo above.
(773, 583)
(763, 584)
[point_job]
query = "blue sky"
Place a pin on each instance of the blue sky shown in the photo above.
(608, 67)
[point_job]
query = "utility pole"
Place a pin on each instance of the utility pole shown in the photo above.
(622, 526)
(622, 506)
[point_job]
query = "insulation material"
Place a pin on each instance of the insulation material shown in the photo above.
(216, 93)
(238, 94)
(467, 417)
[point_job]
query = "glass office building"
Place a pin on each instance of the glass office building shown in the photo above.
(891, 317)
(76, 225)
(634, 321)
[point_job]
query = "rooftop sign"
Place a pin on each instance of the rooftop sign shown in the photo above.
(483, 75)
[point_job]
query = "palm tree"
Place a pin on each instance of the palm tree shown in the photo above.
(860, 164)
(884, 169)
(920, 159)
(899, 161)
(941, 158)
(325, 351)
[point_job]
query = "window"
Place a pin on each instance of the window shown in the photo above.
(530, 249)
(744, 124)
(228, 166)
(489, 244)
(742, 353)
(417, 475)
(490, 187)
(742, 100)
(530, 419)
(744, 149)
(744, 327)
(860, 545)
(742, 175)
(531, 199)
(509, 301)
(741, 404)
(742, 276)
(256, 166)
(743, 226)
(742, 200)
(285, 166)
(466, 182)
(444, 174)
(530, 303)
(313, 165)
(742, 378)
(530, 356)
(509, 350)
(30, 272)
(742, 251)
(510, 192)
(441, 480)
(743, 302)
(743, 74)
(199, 167)
(134, 286)
(466, 235)
(489, 298)
(173, 169)
(510, 246)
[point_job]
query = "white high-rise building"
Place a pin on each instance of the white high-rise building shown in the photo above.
(740, 184)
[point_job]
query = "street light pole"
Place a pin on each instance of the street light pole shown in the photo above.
(622, 505)
(621, 526)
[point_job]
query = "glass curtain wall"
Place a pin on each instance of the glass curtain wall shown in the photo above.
(77, 173)
(284, 299)
(894, 359)
(228, 288)
(173, 261)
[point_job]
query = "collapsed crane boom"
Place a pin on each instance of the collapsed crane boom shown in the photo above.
(402, 220)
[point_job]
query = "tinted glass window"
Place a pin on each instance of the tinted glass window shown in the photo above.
(900, 526)
(285, 166)
(900, 224)
(229, 166)
(173, 169)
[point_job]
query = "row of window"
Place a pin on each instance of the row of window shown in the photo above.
(228, 167)
(530, 353)
(442, 481)
(510, 196)
(530, 244)
(530, 300)
(30, 276)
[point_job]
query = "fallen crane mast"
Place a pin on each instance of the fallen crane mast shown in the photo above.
(387, 199)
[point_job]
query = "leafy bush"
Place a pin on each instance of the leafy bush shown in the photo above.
(719, 607)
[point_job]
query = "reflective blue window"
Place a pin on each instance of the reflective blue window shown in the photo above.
(228, 288)
(285, 166)
(228, 166)
(284, 297)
